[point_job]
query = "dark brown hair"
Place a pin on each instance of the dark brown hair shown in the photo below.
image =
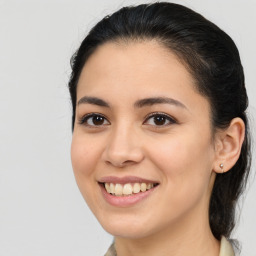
(213, 60)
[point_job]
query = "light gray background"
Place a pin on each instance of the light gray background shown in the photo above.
(41, 209)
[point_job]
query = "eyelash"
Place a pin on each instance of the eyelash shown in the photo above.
(168, 118)
(84, 119)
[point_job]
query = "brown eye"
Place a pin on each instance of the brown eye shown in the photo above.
(159, 120)
(94, 120)
(98, 120)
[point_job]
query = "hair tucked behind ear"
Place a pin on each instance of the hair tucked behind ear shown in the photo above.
(213, 60)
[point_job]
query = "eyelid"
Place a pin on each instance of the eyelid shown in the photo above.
(171, 119)
(85, 117)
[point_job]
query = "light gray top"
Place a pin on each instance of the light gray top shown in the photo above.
(225, 249)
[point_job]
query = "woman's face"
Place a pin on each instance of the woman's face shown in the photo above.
(143, 132)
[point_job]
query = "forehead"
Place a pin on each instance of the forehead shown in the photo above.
(142, 69)
(137, 60)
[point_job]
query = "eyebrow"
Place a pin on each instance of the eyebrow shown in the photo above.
(138, 104)
(158, 100)
(93, 101)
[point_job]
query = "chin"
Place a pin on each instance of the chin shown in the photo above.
(127, 232)
(133, 228)
(124, 226)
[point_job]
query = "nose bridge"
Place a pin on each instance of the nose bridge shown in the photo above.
(123, 145)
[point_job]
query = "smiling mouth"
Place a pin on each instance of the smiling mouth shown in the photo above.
(127, 189)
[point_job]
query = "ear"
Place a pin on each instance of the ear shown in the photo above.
(228, 143)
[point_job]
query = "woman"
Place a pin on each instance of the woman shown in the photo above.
(160, 146)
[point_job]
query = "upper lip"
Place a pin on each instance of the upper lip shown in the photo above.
(124, 180)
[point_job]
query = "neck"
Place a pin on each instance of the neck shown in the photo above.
(181, 239)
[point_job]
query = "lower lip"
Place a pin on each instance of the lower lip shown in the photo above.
(124, 201)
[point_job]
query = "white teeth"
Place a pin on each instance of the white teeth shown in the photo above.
(143, 187)
(149, 185)
(128, 188)
(136, 188)
(118, 190)
(112, 188)
(107, 186)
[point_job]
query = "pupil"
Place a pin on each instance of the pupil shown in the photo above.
(159, 120)
(98, 120)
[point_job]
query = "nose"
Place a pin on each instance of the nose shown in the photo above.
(123, 148)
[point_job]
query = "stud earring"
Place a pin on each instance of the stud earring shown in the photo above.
(221, 167)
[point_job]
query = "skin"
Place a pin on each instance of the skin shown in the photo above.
(183, 156)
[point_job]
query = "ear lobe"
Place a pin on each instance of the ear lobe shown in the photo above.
(228, 145)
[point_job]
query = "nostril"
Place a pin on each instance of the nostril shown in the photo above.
(128, 162)
(121, 164)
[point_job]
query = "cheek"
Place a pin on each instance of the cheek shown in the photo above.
(185, 162)
(181, 151)
(83, 157)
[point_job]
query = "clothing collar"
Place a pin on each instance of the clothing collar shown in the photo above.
(225, 249)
